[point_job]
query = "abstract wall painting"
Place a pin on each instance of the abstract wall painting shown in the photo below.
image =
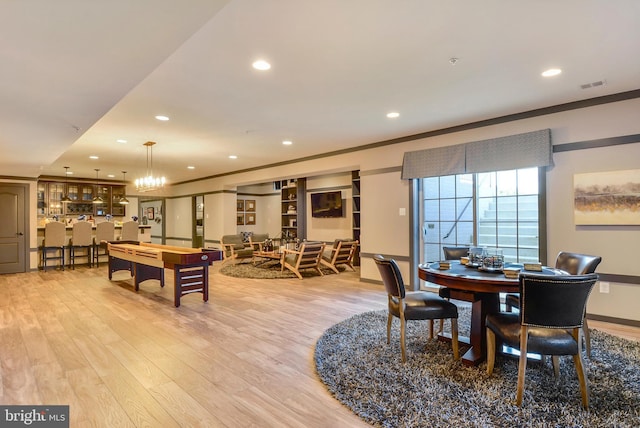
(607, 198)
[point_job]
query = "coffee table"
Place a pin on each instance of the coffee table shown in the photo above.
(269, 255)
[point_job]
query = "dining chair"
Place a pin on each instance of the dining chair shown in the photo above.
(341, 253)
(81, 239)
(549, 323)
(450, 253)
(574, 264)
(55, 236)
(415, 305)
(105, 232)
(308, 256)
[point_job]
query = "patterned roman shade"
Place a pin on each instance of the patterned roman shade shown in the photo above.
(434, 162)
(531, 149)
(527, 150)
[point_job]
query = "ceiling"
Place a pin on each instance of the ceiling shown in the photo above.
(76, 76)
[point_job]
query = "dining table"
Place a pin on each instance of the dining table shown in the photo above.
(480, 287)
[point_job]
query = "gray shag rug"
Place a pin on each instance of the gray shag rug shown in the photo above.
(268, 270)
(431, 390)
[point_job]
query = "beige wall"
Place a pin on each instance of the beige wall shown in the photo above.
(383, 194)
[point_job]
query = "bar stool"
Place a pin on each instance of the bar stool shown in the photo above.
(129, 231)
(81, 239)
(105, 231)
(54, 240)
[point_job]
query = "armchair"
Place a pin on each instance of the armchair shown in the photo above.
(307, 257)
(234, 248)
(256, 240)
(341, 254)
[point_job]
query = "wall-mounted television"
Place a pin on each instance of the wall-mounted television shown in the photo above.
(327, 204)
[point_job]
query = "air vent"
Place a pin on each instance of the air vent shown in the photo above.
(593, 84)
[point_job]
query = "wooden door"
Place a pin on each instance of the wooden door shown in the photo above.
(12, 228)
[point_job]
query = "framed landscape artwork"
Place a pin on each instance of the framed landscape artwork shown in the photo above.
(607, 198)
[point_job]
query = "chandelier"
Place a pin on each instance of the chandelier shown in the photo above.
(149, 182)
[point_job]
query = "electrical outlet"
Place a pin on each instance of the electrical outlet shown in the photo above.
(604, 287)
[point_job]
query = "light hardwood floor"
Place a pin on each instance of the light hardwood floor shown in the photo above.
(126, 359)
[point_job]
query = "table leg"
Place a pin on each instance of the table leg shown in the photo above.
(481, 305)
(144, 272)
(190, 279)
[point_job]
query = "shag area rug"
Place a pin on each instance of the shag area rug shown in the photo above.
(268, 270)
(431, 390)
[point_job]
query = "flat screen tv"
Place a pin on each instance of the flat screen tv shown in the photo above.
(327, 204)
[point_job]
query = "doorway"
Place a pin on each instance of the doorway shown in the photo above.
(198, 221)
(13, 235)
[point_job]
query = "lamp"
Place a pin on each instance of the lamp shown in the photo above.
(65, 197)
(97, 199)
(123, 199)
(149, 182)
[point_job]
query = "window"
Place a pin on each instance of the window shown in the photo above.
(491, 209)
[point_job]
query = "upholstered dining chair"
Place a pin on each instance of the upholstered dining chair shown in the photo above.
(55, 236)
(308, 256)
(574, 264)
(81, 239)
(549, 323)
(341, 253)
(416, 305)
(105, 231)
(455, 253)
(451, 253)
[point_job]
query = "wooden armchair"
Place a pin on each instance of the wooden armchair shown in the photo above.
(234, 248)
(341, 254)
(307, 257)
(256, 240)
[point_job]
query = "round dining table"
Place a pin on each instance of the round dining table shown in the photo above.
(481, 288)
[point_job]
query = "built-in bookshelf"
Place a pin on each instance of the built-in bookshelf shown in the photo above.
(355, 193)
(293, 194)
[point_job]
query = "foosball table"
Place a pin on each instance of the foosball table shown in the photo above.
(148, 261)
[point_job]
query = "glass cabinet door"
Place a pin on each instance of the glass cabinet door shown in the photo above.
(117, 193)
(103, 192)
(55, 192)
(42, 202)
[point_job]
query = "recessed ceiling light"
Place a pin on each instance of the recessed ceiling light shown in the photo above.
(191, 167)
(393, 115)
(162, 118)
(261, 65)
(233, 157)
(121, 141)
(93, 157)
(551, 72)
(110, 175)
(69, 172)
(287, 142)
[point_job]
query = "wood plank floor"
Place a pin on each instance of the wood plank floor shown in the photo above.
(126, 359)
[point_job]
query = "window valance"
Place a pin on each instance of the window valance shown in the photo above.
(531, 149)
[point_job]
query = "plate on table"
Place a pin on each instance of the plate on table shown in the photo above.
(473, 265)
